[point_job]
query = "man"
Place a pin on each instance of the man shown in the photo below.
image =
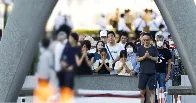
(162, 31)
(102, 22)
(147, 55)
(122, 25)
(139, 25)
(123, 40)
(163, 66)
(113, 48)
(153, 26)
(103, 36)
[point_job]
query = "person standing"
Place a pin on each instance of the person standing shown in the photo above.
(122, 25)
(163, 66)
(147, 55)
(62, 36)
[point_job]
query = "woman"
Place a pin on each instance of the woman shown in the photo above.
(82, 59)
(131, 56)
(99, 46)
(103, 65)
(123, 67)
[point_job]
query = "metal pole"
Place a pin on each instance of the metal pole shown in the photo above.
(180, 17)
(25, 25)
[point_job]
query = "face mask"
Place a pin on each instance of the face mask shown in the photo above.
(159, 43)
(163, 29)
(129, 50)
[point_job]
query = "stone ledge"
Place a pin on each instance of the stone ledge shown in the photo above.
(181, 90)
(90, 82)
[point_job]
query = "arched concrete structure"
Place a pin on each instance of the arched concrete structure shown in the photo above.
(180, 17)
(24, 27)
(27, 22)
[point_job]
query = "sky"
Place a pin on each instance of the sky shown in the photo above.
(83, 12)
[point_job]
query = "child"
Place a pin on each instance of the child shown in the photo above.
(123, 67)
(103, 65)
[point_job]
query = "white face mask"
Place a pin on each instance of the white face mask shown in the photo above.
(129, 50)
(163, 29)
(159, 43)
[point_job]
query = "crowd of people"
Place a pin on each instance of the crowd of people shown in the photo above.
(147, 56)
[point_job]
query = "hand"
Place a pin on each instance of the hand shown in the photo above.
(147, 55)
(167, 78)
(103, 61)
(124, 64)
(63, 64)
(70, 68)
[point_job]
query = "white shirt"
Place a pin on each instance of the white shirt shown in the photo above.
(96, 64)
(121, 46)
(153, 25)
(165, 34)
(57, 55)
(122, 25)
(114, 50)
(140, 23)
(102, 24)
(58, 22)
(45, 64)
(123, 71)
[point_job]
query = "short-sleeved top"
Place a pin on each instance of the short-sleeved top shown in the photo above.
(147, 66)
(123, 71)
(164, 55)
(114, 50)
(103, 70)
(69, 53)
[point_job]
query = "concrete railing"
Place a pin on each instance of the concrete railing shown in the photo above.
(90, 82)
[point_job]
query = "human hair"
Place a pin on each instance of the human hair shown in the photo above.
(98, 43)
(123, 33)
(45, 42)
(160, 37)
(131, 44)
(147, 34)
(103, 50)
(75, 36)
(87, 43)
(161, 26)
(110, 32)
(122, 15)
(123, 53)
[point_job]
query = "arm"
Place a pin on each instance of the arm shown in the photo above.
(97, 69)
(128, 67)
(169, 70)
(139, 59)
(117, 59)
(89, 62)
(108, 68)
(119, 69)
(155, 59)
(79, 60)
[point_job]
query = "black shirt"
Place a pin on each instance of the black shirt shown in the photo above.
(147, 66)
(103, 69)
(84, 68)
(164, 55)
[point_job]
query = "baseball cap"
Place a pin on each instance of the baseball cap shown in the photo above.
(103, 33)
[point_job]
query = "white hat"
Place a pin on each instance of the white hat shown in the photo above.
(103, 33)
(89, 38)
